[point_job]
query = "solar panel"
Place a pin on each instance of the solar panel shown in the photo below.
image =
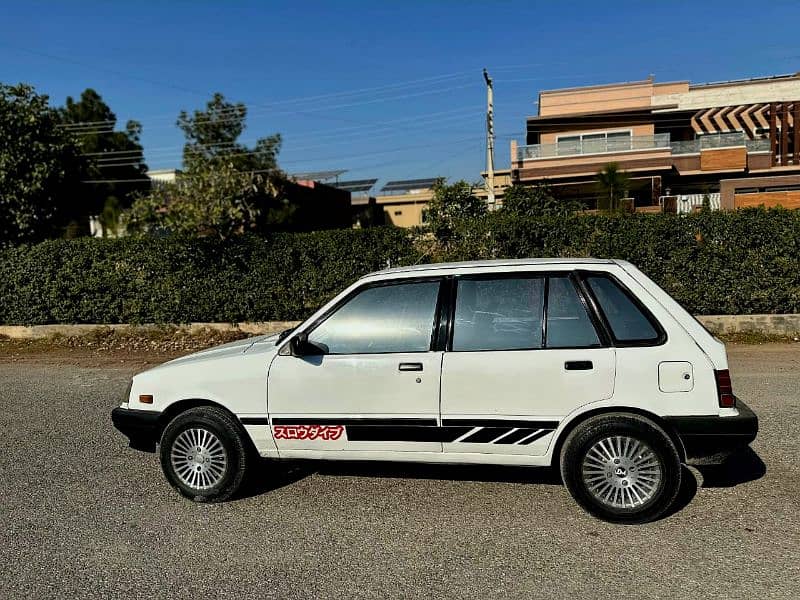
(319, 175)
(356, 185)
(406, 185)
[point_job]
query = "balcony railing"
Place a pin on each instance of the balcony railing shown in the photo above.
(593, 146)
(716, 140)
(641, 142)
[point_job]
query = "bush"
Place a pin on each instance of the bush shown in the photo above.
(732, 262)
(279, 277)
(739, 262)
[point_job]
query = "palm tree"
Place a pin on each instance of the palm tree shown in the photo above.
(612, 184)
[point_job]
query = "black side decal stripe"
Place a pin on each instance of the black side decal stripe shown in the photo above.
(362, 433)
(534, 437)
(501, 423)
(486, 434)
(366, 422)
(425, 430)
(513, 438)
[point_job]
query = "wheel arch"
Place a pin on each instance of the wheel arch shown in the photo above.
(582, 417)
(181, 406)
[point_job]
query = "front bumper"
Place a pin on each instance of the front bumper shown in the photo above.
(142, 427)
(713, 438)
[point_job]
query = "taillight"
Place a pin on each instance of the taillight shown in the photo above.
(725, 389)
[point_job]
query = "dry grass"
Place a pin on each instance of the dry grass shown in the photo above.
(152, 344)
(751, 338)
(140, 344)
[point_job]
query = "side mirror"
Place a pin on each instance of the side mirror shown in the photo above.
(300, 345)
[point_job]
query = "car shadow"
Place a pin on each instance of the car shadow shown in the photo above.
(272, 475)
(444, 472)
(739, 468)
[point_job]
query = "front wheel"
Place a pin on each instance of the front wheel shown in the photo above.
(203, 454)
(621, 468)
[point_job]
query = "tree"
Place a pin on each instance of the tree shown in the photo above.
(210, 199)
(113, 156)
(612, 184)
(536, 201)
(212, 134)
(225, 189)
(40, 168)
(450, 205)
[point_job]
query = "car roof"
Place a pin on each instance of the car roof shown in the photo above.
(483, 264)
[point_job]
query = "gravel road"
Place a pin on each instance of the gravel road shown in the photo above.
(84, 516)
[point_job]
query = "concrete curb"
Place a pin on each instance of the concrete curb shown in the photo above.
(783, 325)
(45, 331)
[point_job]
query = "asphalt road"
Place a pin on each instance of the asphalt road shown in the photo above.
(84, 516)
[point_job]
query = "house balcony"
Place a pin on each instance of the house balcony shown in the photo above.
(647, 155)
(594, 146)
(585, 157)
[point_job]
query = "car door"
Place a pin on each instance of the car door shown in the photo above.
(373, 384)
(525, 351)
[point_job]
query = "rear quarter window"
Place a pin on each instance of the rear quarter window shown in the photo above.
(628, 320)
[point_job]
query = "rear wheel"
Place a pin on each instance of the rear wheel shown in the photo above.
(621, 468)
(203, 454)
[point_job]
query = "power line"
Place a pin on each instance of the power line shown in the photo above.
(225, 116)
(383, 88)
(416, 122)
(337, 132)
(126, 161)
(323, 159)
(344, 93)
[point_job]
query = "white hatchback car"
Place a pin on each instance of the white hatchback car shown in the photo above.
(582, 364)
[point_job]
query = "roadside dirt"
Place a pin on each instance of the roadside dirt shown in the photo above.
(142, 348)
(106, 347)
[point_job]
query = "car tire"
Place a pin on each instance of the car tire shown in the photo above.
(204, 454)
(621, 468)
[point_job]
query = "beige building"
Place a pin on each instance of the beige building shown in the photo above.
(404, 202)
(677, 141)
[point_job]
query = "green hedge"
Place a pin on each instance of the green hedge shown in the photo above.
(714, 263)
(732, 262)
(284, 276)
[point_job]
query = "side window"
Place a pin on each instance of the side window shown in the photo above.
(568, 323)
(389, 318)
(499, 314)
(628, 323)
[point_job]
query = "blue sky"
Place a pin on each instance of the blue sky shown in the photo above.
(401, 85)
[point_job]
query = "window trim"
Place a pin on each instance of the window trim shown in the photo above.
(602, 334)
(385, 283)
(661, 337)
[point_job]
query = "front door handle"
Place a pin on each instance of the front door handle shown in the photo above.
(578, 365)
(411, 366)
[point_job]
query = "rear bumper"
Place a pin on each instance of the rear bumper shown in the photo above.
(713, 438)
(141, 427)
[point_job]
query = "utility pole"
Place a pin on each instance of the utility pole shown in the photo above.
(489, 139)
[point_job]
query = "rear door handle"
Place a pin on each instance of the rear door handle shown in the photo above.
(578, 365)
(411, 366)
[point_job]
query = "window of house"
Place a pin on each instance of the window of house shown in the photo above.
(389, 318)
(619, 140)
(592, 143)
(568, 144)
